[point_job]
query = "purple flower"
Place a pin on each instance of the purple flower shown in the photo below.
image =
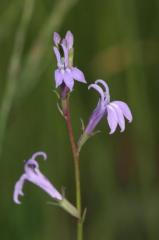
(65, 72)
(114, 111)
(33, 174)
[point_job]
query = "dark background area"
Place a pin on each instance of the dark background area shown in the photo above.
(115, 40)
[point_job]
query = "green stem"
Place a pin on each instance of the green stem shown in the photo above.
(66, 112)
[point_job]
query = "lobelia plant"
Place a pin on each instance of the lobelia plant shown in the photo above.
(115, 112)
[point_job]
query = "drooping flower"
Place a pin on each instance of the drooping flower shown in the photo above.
(66, 73)
(33, 174)
(114, 111)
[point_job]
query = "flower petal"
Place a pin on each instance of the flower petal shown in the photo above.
(69, 39)
(58, 57)
(43, 154)
(18, 189)
(98, 89)
(65, 50)
(125, 109)
(41, 181)
(68, 80)
(119, 114)
(78, 75)
(105, 85)
(56, 38)
(58, 77)
(112, 119)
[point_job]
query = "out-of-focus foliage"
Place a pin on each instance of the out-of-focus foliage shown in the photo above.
(118, 41)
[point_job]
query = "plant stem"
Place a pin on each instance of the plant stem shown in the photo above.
(66, 112)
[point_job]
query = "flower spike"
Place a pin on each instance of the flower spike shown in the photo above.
(66, 73)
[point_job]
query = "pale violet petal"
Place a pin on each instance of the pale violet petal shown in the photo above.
(78, 75)
(120, 116)
(18, 189)
(58, 57)
(98, 89)
(41, 181)
(65, 50)
(58, 77)
(69, 39)
(68, 79)
(112, 119)
(125, 109)
(105, 85)
(40, 153)
(56, 38)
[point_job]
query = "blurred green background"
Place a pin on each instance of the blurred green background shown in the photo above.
(118, 41)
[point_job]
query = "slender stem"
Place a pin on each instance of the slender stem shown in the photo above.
(66, 112)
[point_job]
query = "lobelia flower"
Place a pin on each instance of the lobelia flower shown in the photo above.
(33, 174)
(114, 111)
(66, 73)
